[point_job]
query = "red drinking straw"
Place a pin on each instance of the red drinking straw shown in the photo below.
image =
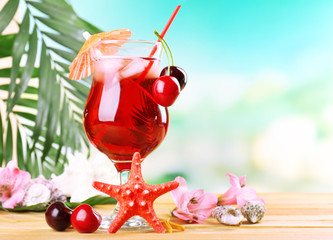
(144, 73)
(166, 28)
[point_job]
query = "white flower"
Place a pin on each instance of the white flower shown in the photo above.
(76, 180)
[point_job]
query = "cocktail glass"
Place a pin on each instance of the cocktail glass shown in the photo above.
(121, 117)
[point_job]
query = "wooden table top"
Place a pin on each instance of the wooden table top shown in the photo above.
(288, 216)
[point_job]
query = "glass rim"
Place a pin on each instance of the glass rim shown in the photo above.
(129, 45)
(110, 41)
(125, 58)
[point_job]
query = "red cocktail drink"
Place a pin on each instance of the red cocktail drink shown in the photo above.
(121, 117)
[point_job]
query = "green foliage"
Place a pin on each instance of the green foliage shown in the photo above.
(39, 119)
(41, 207)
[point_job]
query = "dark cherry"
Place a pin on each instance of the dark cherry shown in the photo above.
(58, 216)
(178, 73)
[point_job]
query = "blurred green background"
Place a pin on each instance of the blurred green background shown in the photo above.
(259, 98)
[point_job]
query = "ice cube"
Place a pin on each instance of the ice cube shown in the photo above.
(154, 71)
(106, 69)
(133, 69)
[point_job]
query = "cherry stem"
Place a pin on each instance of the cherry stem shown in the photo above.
(166, 49)
(172, 64)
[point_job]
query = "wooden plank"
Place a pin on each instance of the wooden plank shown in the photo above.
(289, 216)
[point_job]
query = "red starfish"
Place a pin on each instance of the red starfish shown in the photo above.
(136, 197)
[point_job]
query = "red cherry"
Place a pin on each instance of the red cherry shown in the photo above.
(85, 219)
(166, 90)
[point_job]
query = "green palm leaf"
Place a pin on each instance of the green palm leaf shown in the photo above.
(69, 56)
(17, 53)
(6, 43)
(27, 71)
(43, 105)
(1, 140)
(9, 142)
(7, 13)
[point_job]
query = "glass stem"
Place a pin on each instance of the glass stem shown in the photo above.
(124, 175)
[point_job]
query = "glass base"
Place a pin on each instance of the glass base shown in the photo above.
(135, 223)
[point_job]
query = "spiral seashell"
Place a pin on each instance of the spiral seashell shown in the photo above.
(228, 215)
(253, 211)
(37, 193)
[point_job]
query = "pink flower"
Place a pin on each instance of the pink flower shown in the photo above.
(192, 206)
(238, 193)
(13, 182)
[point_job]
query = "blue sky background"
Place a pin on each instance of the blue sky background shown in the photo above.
(229, 35)
(260, 90)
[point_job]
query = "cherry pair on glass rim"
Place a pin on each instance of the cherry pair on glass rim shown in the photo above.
(166, 88)
(84, 218)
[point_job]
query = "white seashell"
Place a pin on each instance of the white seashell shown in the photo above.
(228, 215)
(37, 193)
(253, 211)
